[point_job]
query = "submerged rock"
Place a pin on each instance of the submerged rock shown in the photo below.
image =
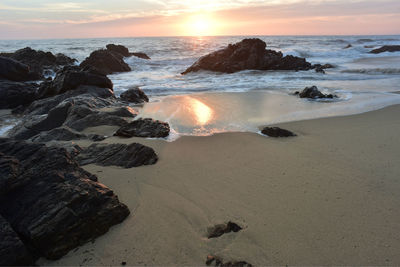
(249, 54)
(277, 132)
(50, 202)
(134, 95)
(127, 156)
(106, 62)
(220, 229)
(313, 93)
(386, 48)
(144, 128)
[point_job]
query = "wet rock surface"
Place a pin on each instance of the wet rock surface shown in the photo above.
(313, 93)
(277, 132)
(39, 61)
(144, 128)
(220, 229)
(14, 94)
(50, 202)
(16, 71)
(64, 134)
(218, 261)
(386, 48)
(134, 95)
(249, 54)
(127, 156)
(140, 55)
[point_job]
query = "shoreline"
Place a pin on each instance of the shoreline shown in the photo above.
(326, 197)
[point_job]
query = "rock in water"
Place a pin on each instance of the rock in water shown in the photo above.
(313, 93)
(140, 55)
(144, 128)
(128, 156)
(13, 70)
(119, 49)
(14, 94)
(134, 95)
(249, 54)
(386, 48)
(50, 202)
(106, 62)
(277, 132)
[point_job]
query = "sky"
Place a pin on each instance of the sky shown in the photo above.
(37, 19)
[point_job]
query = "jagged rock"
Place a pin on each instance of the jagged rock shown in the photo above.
(118, 49)
(220, 229)
(277, 132)
(14, 94)
(12, 251)
(140, 55)
(38, 61)
(134, 95)
(386, 48)
(144, 128)
(13, 70)
(106, 62)
(313, 93)
(70, 78)
(249, 54)
(53, 204)
(127, 156)
(64, 134)
(217, 261)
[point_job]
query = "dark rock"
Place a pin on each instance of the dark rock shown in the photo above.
(140, 55)
(13, 70)
(220, 229)
(348, 46)
(106, 62)
(219, 262)
(319, 70)
(144, 128)
(14, 94)
(70, 78)
(277, 132)
(118, 49)
(313, 93)
(249, 54)
(38, 61)
(12, 251)
(386, 48)
(64, 134)
(134, 95)
(127, 156)
(55, 205)
(123, 263)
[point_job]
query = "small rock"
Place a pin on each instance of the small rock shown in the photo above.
(144, 128)
(348, 46)
(134, 95)
(220, 229)
(277, 132)
(313, 93)
(140, 55)
(123, 263)
(386, 48)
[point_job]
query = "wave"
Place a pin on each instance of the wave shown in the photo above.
(373, 71)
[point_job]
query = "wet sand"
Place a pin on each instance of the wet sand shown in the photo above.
(329, 196)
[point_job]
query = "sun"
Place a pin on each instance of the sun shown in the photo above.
(200, 25)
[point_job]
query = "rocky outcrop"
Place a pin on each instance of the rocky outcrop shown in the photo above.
(13, 70)
(64, 134)
(140, 55)
(106, 62)
(144, 128)
(220, 229)
(127, 156)
(70, 78)
(276, 132)
(386, 48)
(39, 61)
(249, 54)
(125, 52)
(51, 203)
(134, 95)
(313, 93)
(14, 94)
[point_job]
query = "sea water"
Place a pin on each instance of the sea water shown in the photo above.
(204, 103)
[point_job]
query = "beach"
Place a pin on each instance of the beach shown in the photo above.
(326, 197)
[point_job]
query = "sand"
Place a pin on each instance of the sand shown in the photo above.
(327, 197)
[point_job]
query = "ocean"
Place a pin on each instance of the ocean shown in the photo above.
(204, 103)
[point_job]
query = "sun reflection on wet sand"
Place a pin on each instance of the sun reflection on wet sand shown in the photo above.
(201, 112)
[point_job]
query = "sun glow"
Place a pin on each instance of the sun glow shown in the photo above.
(201, 112)
(200, 25)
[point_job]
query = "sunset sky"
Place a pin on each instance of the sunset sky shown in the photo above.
(26, 19)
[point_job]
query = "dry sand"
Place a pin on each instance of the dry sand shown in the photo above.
(330, 196)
